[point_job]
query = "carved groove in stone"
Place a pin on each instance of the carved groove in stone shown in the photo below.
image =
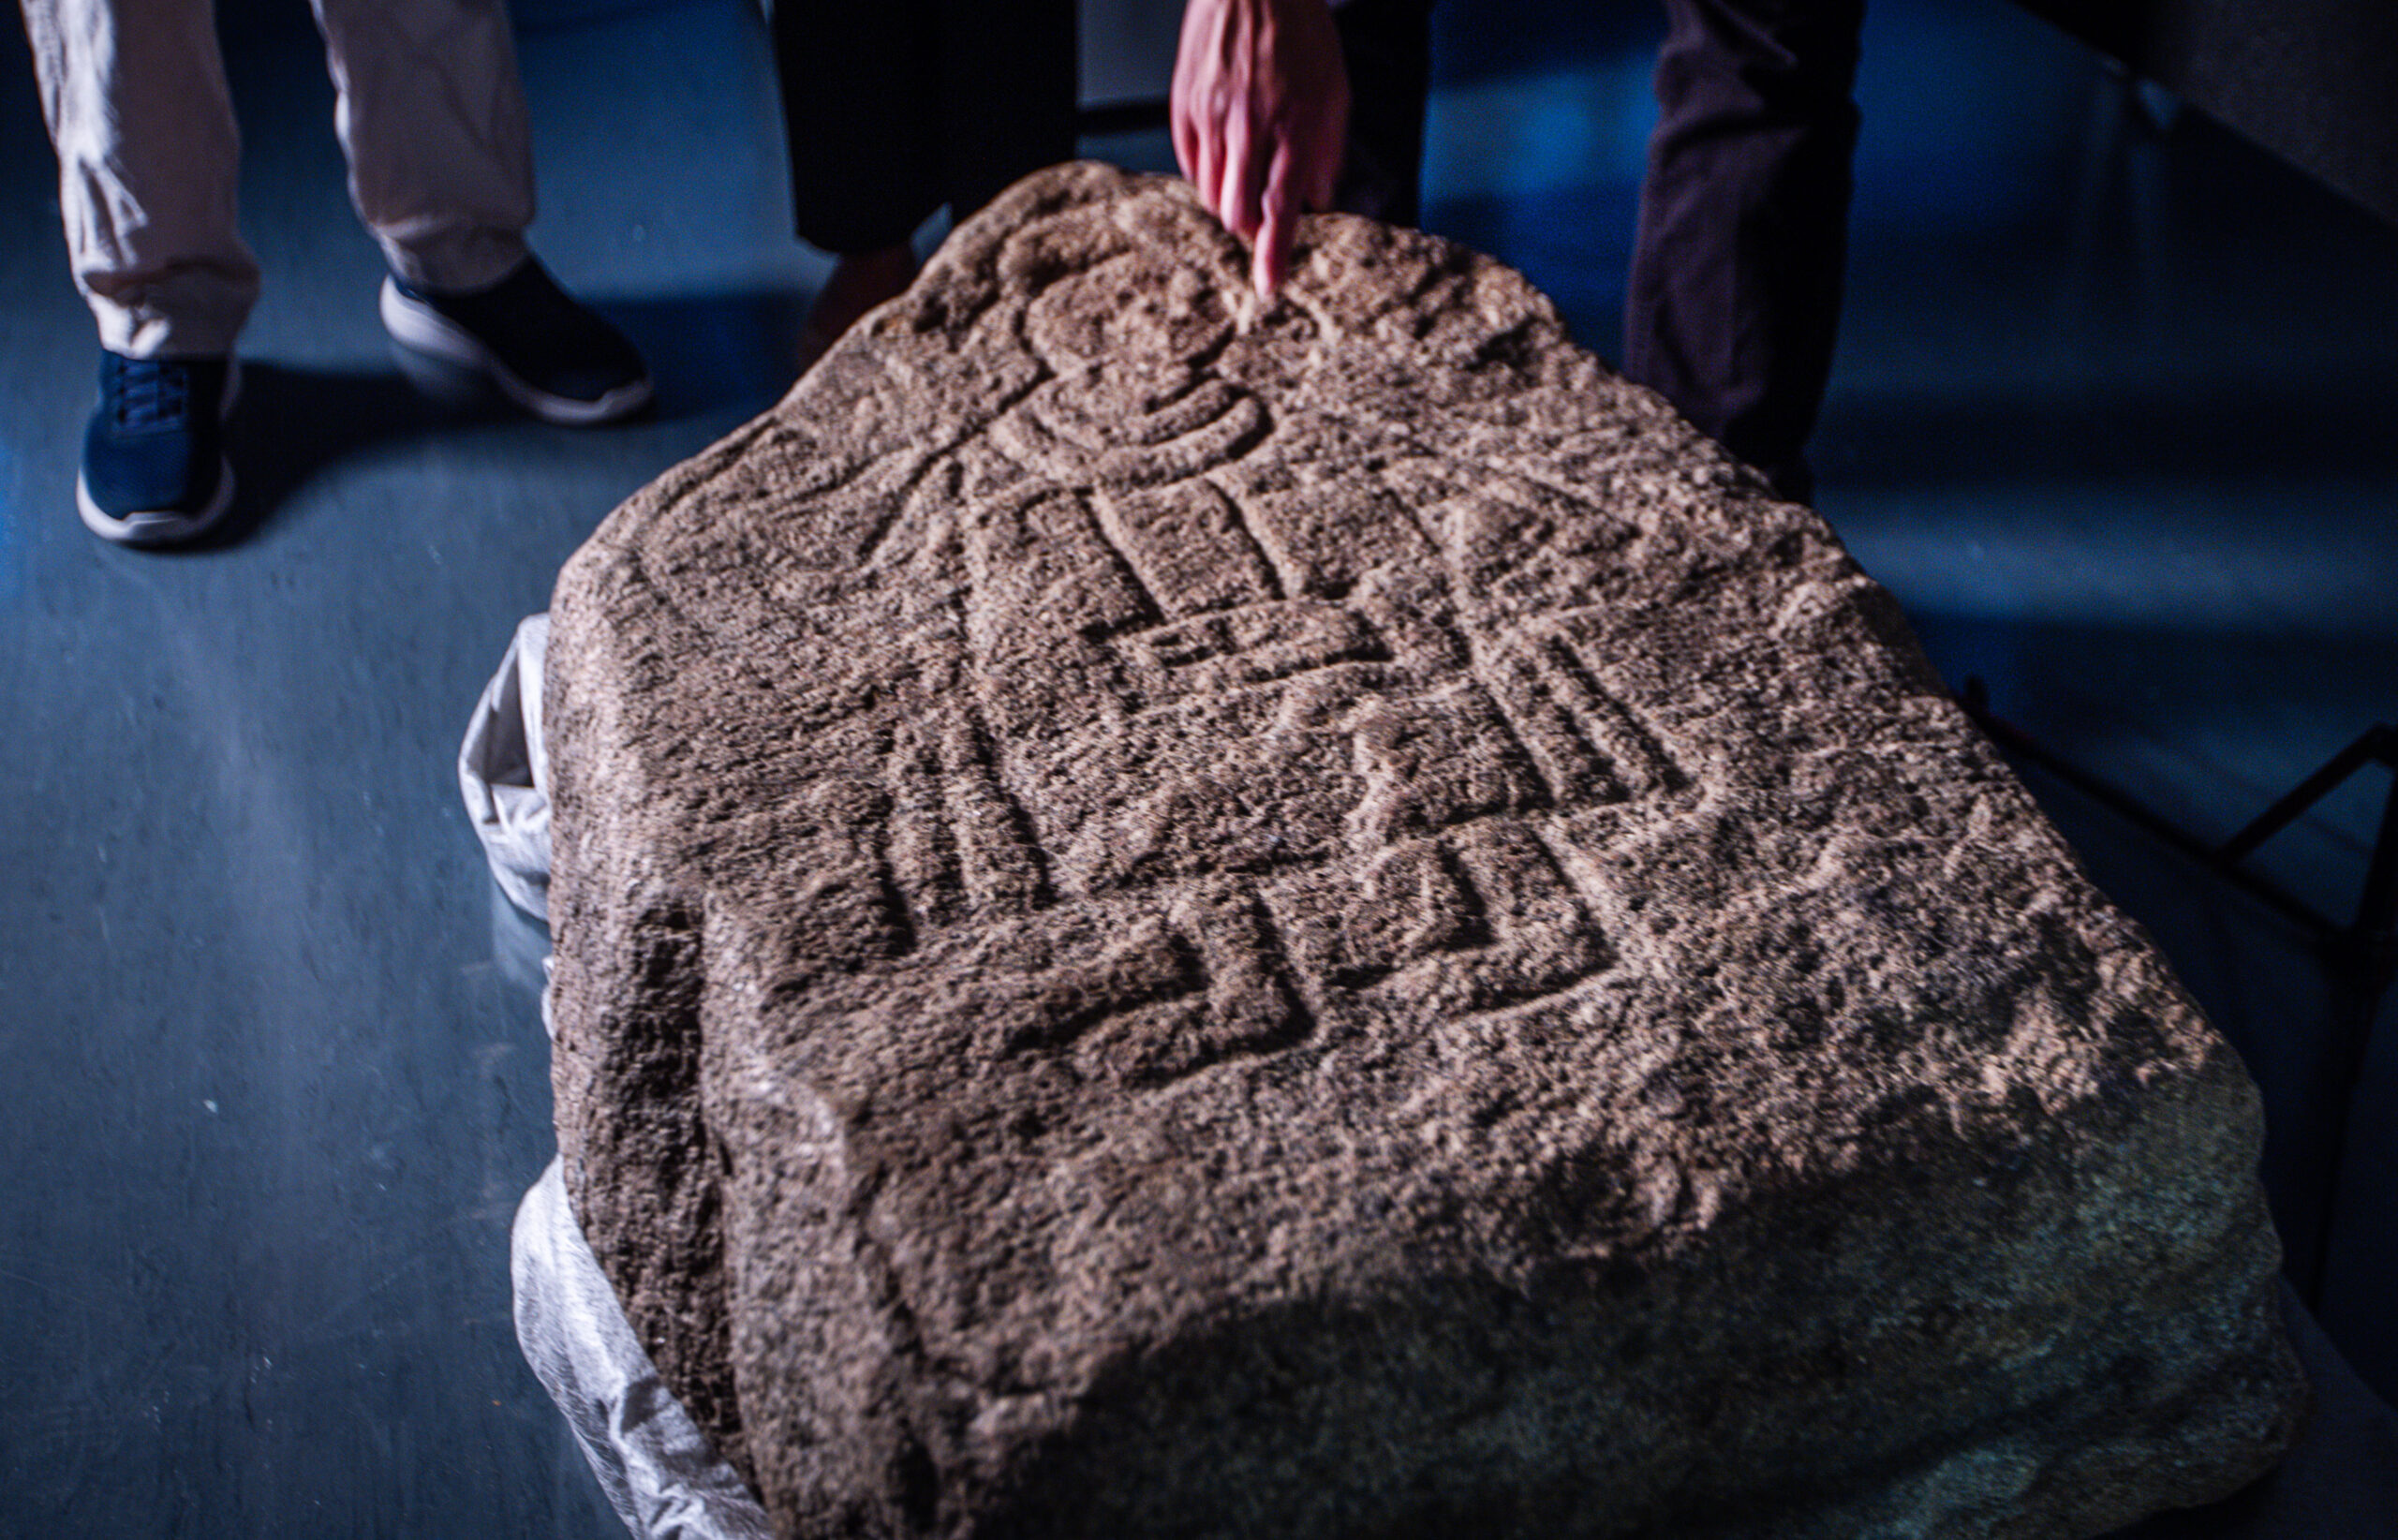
(1180, 918)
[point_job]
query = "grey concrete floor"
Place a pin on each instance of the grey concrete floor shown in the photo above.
(2110, 416)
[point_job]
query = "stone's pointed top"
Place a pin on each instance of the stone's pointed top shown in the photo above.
(1179, 917)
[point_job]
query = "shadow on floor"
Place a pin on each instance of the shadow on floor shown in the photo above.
(724, 356)
(712, 353)
(293, 422)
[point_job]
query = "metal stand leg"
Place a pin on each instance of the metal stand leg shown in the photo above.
(2367, 953)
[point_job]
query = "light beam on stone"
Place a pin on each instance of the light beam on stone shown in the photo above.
(1324, 923)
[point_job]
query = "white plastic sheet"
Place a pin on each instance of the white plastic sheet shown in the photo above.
(658, 1468)
(504, 772)
(661, 1474)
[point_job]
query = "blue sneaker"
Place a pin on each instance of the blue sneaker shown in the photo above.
(154, 471)
(544, 349)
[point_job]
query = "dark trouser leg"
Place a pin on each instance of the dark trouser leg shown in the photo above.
(1386, 45)
(1734, 297)
(896, 107)
(863, 116)
(1009, 92)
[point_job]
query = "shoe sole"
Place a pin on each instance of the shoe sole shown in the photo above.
(155, 526)
(420, 328)
(166, 526)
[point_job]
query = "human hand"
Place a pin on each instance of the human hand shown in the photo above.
(1260, 112)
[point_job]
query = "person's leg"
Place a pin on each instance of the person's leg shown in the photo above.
(431, 115)
(1734, 297)
(862, 116)
(148, 157)
(148, 161)
(862, 120)
(1009, 95)
(1386, 45)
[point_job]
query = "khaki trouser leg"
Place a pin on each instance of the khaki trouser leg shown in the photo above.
(148, 160)
(432, 116)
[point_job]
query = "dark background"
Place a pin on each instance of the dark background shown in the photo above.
(2111, 415)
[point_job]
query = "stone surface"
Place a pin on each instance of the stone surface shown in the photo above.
(1176, 920)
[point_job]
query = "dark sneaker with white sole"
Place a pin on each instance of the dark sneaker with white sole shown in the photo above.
(542, 349)
(154, 471)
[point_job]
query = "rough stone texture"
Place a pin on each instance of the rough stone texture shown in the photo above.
(1181, 922)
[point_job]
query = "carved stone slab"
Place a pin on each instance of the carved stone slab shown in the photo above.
(1183, 922)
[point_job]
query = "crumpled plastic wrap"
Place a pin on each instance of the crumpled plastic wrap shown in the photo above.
(504, 772)
(661, 1472)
